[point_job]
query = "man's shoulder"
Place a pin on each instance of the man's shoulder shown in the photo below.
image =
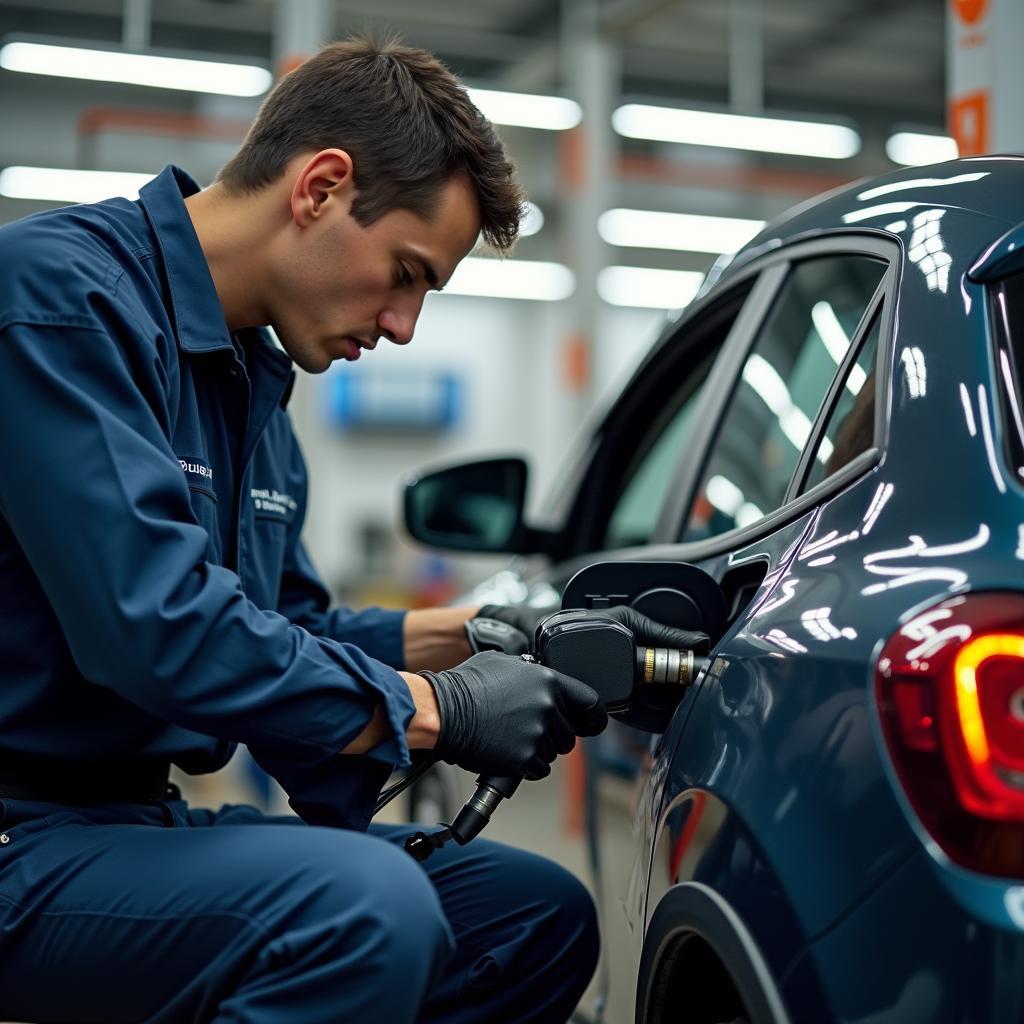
(56, 259)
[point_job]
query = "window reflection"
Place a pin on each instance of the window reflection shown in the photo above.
(851, 424)
(928, 250)
(782, 386)
(915, 374)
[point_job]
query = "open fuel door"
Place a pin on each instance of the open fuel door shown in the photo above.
(675, 593)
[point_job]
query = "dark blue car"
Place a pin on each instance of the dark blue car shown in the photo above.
(829, 825)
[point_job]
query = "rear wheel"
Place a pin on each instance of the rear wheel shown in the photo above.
(694, 987)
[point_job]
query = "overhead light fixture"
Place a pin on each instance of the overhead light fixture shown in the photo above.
(834, 337)
(915, 148)
(526, 110)
(686, 232)
(736, 131)
(158, 72)
(512, 279)
(69, 186)
(916, 184)
(532, 222)
(646, 288)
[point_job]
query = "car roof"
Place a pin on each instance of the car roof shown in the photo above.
(990, 187)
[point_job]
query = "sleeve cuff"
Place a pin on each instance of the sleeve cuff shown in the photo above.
(399, 708)
(376, 631)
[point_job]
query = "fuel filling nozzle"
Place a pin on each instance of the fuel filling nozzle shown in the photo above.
(600, 652)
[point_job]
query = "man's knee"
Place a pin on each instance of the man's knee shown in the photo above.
(364, 892)
(577, 928)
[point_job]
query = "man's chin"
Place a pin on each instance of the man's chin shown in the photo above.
(309, 360)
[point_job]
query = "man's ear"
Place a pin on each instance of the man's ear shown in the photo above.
(325, 177)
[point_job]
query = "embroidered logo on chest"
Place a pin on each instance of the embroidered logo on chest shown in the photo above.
(271, 503)
(198, 472)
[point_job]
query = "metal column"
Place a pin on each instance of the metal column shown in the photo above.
(588, 180)
(986, 75)
(301, 27)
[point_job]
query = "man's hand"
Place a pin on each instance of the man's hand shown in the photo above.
(501, 715)
(645, 630)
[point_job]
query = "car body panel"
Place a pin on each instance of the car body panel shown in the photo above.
(931, 962)
(783, 739)
(772, 784)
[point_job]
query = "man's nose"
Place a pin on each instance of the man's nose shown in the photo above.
(398, 325)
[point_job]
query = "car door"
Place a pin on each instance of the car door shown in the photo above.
(771, 420)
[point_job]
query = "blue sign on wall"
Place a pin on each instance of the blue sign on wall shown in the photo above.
(402, 400)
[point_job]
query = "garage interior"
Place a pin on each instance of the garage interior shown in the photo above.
(520, 358)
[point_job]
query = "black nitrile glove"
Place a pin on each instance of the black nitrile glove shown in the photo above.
(646, 631)
(521, 616)
(501, 715)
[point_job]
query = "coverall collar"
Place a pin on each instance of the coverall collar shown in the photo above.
(195, 306)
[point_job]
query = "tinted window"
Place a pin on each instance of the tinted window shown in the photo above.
(1008, 330)
(646, 438)
(851, 424)
(636, 511)
(784, 381)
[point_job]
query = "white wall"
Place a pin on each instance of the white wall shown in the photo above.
(507, 355)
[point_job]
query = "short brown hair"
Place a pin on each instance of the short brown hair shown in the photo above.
(407, 122)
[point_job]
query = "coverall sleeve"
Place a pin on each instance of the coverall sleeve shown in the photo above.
(94, 494)
(305, 600)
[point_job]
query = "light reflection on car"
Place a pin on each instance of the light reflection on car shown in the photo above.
(831, 824)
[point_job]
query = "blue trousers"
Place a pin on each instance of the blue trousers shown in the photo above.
(163, 913)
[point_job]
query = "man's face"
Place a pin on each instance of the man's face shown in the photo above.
(339, 286)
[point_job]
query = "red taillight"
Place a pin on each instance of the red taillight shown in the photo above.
(951, 694)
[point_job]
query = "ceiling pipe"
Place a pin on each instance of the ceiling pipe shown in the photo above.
(136, 25)
(746, 56)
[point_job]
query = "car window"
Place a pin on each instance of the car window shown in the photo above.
(636, 511)
(784, 381)
(1007, 314)
(851, 424)
(645, 436)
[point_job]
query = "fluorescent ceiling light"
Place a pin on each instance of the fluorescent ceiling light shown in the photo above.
(914, 148)
(512, 279)
(524, 110)
(916, 184)
(532, 221)
(724, 495)
(687, 232)
(771, 388)
(834, 338)
(878, 210)
(648, 289)
(736, 131)
(69, 186)
(136, 69)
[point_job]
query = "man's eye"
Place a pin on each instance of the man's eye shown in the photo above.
(404, 277)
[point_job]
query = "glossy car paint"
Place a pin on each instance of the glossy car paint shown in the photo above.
(772, 786)
(857, 913)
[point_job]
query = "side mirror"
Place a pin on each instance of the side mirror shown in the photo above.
(476, 506)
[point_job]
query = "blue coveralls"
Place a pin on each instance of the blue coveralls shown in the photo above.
(157, 604)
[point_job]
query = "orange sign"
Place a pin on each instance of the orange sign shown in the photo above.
(286, 65)
(968, 123)
(576, 361)
(970, 11)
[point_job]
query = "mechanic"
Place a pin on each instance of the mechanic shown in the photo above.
(157, 605)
